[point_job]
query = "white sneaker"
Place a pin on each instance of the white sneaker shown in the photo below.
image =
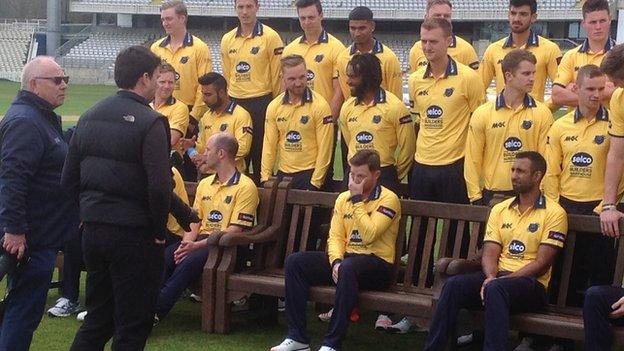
(63, 308)
(326, 348)
(326, 317)
(281, 304)
(291, 345)
(464, 340)
(402, 327)
(525, 344)
(195, 298)
(383, 322)
(81, 316)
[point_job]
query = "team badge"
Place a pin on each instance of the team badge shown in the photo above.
(376, 119)
(319, 58)
(305, 119)
(533, 227)
(599, 139)
(526, 124)
(184, 59)
(255, 50)
(448, 92)
(228, 199)
(223, 127)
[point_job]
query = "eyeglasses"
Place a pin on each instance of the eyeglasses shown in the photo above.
(56, 80)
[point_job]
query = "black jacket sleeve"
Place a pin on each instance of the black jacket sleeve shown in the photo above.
(182, 213)
(70, 178)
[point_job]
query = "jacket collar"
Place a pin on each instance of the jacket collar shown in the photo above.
(323, 38)
(533, 40)
(528, 101)
(451, 69)
(33, 99)
(608, 46)
(601, 115)
(188, 40)
(258, 30)
(133, 96)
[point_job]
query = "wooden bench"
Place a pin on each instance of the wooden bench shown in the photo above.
(558, 320)
(404, 296)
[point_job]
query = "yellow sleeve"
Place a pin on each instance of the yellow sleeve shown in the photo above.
(324, 143)
(411, 89)
(547, 122)
(199, 194)
(337, 238)
(202, 138)
(226, 65)
(553, 63)
(339, 47)
(470, 57)
(487, 68)
(179, 188)
(342, 62)
(492, 230)
(269, 145)
(342, 122)
(554, 158)
(475, 147)
(555, 228)
(204, 65)
(394, 77)
(413, 58)
(616, 117)
(243, 134)
(565, 71)
(179, 119)
(373, 225)
(244, 209)
(406, 137)
(475, 89)
(274, 48)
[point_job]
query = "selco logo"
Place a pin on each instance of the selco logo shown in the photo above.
(582, 159)
(243, 67)
(516, 247)
(215, 216)
(434, 112)
(364, 137)
(513, 144)
(309, 75)
(293, 136)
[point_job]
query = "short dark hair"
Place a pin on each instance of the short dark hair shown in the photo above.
(227, 142)
(433, 23)
(131, 63)
(587, 71)
(368, 67)
(512, 60)
(613, 62)
(538, 163)
(595, 5)
(214, 78)
(361, 13)
(518, 3)
(367, 157)
(179, 6)
(306, 3)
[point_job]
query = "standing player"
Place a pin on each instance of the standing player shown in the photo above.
(597, 23)
(500, 129)
(522, 14)
(459, 49)
(299, 130)
(164, 103)
(250, 56)
(375, 119)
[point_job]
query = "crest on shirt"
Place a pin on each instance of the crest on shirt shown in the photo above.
(355, 236)
(184, 59)
(319, 58)
(255, 50)
(223, 127)
(228, 199)
(599, 139)
(533, 227)
(376, 119)
(305, 119)
(526, 124)
(448, 92)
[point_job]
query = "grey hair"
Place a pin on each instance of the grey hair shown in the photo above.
(32, 69)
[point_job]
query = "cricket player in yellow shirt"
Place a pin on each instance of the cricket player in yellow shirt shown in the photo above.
(176, 111)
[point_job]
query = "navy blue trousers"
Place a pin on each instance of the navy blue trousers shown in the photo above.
(503, 297)
(306, 269)
(25, 303)
(176, 278)
(73, 265)
(596, 309)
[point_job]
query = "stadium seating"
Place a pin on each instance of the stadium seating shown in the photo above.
(14, 40)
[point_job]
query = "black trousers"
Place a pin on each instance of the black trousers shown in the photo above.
(257, 109)
(124, 269)
(596, 320)
(488, 196)
(300, 180)
(503, 297)
(73, 264)
(389, 178)
(306, 269)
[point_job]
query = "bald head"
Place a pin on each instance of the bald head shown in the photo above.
(40, 76)
(224, 141)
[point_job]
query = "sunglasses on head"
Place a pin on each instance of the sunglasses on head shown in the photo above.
(56, 80)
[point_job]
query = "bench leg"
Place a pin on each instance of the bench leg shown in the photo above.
(208, 293)
(222, 306)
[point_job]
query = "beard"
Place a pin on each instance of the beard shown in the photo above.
(357, 91)
(216, 105)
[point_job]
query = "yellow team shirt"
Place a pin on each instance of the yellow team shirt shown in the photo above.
(180, 190)
(234, 120)
(364, 226)
(495, 135)
(546, 52)
(221, 204)
(442, 106)
(191, 61)
(577, 154)
(459, 49)
(577, 58)
(391, 74)
(251, 65)
(321, 58)
(616, 118)
(300, 137)
(383, 125)
(521, 234)
(177, 114)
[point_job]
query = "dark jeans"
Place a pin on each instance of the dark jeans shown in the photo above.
(503, 297)
(388, 178)
(596, 320)
(176, 278)
(25, 303)
(124, 268)
(306, 269)
(300, 180)
(257, 109)
(488, 196)
(73, 264)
